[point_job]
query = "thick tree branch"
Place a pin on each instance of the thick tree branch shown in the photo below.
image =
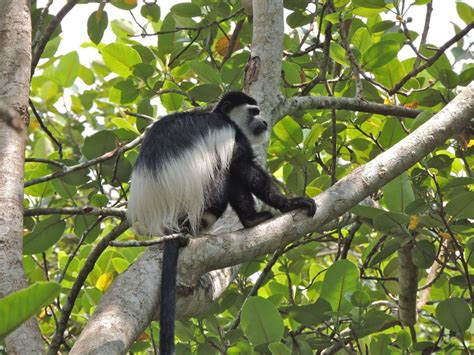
(342, 103)
(15, 64)
(125, 309)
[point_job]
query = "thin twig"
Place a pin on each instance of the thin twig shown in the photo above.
(48, 32)
(85, 165)
(424, 35)
(46, 129)
(89, 210)
(46, 161)
(233, 40)
(432, 59)
(258, 283)
(200, 28)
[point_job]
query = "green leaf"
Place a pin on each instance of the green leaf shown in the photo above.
(279, 349)
(86, 75)
(261, 321)
(288, 131)
(465, 12)
(380, 345)
(392, 132)
(362, 39)
(21, 305)
(461, 206)
(311, 314)
(44, 235)
(205, 92)
(124, 4)
(398, 193)
(151, 12)
(340, 281)
(372, 322)
(389, 247)
(96, 25)
(298, 19)
(124, 92)
(166, 42)
(423, 254)
(380, 54)
(360, 299)
(338, 53)
(120, 58)
(99, 200)
(403, 339)
(172, 101)
(382, 26)
(454, 314)
(68, 69)
(98, 144)
(143, 71)
(366, 211)
(372, 4)
(391, 73)
(205, 72)
(186, 10)
(448, 78)
(340, 3)
(466, 76)
(388, 221)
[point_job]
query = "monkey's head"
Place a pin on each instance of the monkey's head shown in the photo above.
(243, 110)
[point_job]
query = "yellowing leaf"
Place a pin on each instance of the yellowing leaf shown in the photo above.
(43, 314)
(414, 220)
(104, 281)
(143, 337)
(471, 143)
(413, 104)
(444, 235)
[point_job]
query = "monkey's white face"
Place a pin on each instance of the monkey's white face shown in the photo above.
(252, 124)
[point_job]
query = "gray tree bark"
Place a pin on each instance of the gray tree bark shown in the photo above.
(15, 64)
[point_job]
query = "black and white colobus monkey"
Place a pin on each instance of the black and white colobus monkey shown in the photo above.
(190, 167)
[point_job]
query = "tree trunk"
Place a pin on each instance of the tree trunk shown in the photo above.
(15, 64)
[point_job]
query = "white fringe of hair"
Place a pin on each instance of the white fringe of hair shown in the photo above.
(178, 190)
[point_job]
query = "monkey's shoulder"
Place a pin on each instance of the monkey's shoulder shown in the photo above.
(193, 122)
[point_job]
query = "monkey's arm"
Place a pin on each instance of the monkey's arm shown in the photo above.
(251, 175)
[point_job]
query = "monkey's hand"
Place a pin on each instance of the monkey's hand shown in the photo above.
(305, 203)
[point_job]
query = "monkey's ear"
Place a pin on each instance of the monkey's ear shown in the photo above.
(226, 106)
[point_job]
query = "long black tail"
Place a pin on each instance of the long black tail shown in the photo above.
(168, 296)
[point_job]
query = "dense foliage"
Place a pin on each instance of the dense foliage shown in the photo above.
(338, 289)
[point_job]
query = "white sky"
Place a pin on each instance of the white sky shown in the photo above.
(74, 26)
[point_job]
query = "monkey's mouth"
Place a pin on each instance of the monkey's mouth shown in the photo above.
(259, 128)
(257, 131)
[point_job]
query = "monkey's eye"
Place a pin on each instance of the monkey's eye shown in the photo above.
(254, 111)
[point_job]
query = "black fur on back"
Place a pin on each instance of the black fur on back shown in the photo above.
(173, 134)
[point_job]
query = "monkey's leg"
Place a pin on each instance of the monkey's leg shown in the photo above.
(242, 202)
(256, 180)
